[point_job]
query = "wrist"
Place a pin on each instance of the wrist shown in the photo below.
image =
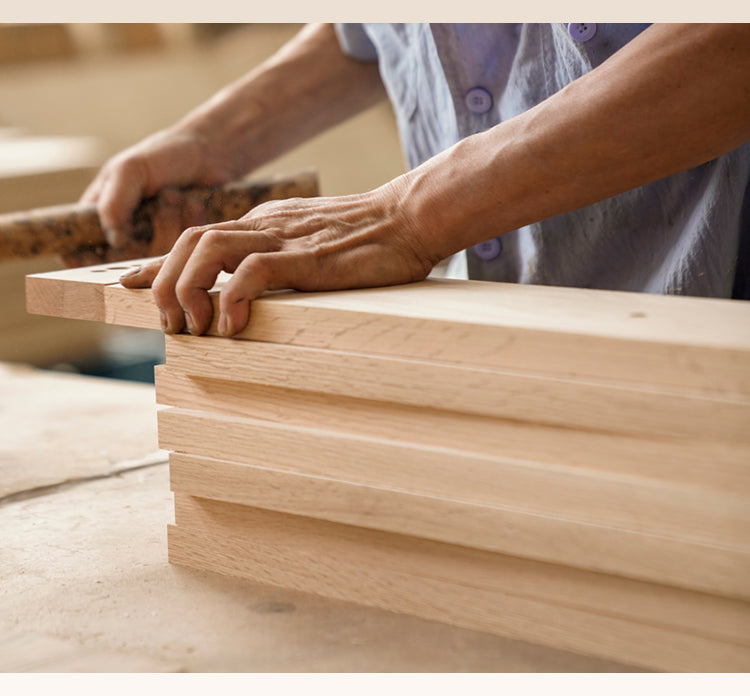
(453, 199)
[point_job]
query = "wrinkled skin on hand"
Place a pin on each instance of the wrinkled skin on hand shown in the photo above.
(175, 212)
(307, 244)
(157, 166)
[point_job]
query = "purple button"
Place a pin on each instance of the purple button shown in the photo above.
(478, 100)
(489, 250)
(581, 32)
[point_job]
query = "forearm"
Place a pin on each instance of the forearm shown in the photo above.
(308, 86)
(673, 98)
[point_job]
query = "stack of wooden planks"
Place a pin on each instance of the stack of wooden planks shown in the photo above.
(568, 467)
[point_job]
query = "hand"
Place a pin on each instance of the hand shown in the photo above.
(174, 212)
(303, 244)
(157, 165)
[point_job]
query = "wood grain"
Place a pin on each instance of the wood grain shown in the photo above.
(532, 398)
(461, 586)
(711, 467)
(717, 563)
(680, 343)
(75, 293)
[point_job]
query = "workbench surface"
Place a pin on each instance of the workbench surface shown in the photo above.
(86, 586)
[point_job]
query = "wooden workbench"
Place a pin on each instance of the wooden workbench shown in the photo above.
(84, 507)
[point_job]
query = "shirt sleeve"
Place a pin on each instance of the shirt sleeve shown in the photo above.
(354, 42)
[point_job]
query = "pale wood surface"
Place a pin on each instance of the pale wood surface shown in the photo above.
(86, 583)
(710, 467)
(699, 613)
(57, 427)
(600, 546)
(644, 524)
(456, 585)
(533, 398)
(675, 342)
(75, 293)
(27, 652)
(681, 559)
(28, 155)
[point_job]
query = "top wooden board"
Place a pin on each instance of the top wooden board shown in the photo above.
(684, 343)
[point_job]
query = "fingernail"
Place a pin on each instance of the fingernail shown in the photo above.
(189, 323)
(163, 319)
(223, 324)
(131, 272)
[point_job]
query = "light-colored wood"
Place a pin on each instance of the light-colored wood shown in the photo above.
(686, 344)
(710, 467)
(532, 398)
(711, 561)
(28, 155)
(40, 340)
(29, 652)
(57, 427)
(76, 293)
(465, 587)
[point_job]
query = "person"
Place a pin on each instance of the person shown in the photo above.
(588, 155)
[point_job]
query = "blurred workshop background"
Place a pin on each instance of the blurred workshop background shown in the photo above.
(71, 95)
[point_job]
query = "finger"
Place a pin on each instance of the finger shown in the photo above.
(117, 200)
(255, 275)
(218, 250)
(165, 283)
(142, 276)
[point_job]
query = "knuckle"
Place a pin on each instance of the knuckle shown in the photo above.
(129, 164)
(212, 238)
(163, 294)
(193, 235)
(254, 268)
(184, 292)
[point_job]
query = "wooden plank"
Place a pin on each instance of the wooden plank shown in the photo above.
(533, 398)
(715, 561)
(75, 293)
(676, 342)
(464, 587)
(687, 344)
(711, 467)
